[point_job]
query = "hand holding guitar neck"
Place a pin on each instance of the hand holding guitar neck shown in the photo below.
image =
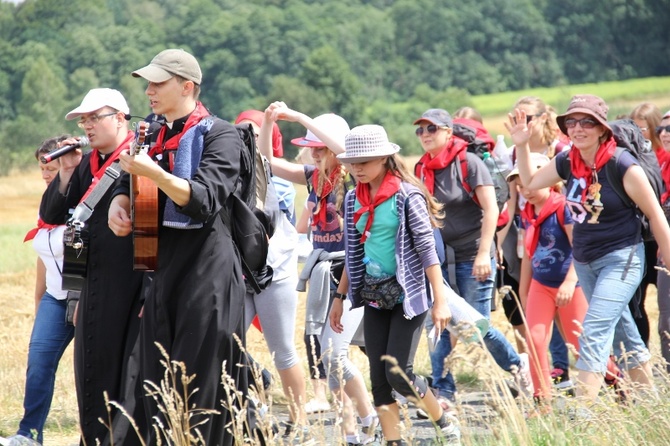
(143, 211)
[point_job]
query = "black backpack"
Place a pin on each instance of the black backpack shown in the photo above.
(628, 137)
(250, 218)
(481, 144)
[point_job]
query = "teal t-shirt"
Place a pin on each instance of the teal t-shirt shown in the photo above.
(380, 244)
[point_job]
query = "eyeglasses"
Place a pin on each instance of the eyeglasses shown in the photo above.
(430, 128)
(93, 119)
(660, 129)
(585, 123)
(529, 118)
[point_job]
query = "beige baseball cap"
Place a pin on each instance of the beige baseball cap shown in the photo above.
(171, 62)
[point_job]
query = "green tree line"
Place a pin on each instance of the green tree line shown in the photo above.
(381, 61)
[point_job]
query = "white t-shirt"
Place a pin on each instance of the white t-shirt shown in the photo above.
(48, 243)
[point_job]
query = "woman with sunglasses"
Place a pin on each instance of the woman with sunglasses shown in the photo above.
(647, 116)
(607, 249)
(662, 132)
(467, 236)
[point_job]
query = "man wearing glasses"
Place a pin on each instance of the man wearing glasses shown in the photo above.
(107, 318)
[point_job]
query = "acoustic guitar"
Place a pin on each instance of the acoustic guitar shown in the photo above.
(143, 211)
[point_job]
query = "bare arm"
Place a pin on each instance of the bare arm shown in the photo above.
(547, 175)
(282, 168)
(567, 288)
(40, 282)
(487, 200)
(637, 187)
(334, 142)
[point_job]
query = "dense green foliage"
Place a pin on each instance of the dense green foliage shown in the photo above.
(368, 60)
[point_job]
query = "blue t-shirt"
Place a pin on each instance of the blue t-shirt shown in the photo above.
(603, 222)
(329, 237)
(553, 254)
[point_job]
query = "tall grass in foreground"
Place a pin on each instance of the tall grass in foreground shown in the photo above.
(640, 419)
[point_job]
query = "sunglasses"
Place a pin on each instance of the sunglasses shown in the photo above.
(585, 123)
(660, 129)
(528, 118)
(430, 128)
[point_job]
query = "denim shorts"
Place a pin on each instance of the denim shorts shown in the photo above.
(608, 322)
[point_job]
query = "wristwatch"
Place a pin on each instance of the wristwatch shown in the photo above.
(340, 296)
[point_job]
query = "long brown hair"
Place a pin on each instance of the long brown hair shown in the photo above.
(651, 114)
(339, 187)
(396, 165)
(550, 128)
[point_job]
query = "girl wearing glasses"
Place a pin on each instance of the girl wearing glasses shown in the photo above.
(607, 247)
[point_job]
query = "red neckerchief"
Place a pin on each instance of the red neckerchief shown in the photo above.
(97, 170)
(581, 170)
(665, 173)
(40, 225)
(426, 167)
(173, 143)
(555, 203)
(319, 217)
(389, 187)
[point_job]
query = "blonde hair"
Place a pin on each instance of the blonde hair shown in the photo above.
(338, 188)
(550, 129)
(468, 113)
(396, 165)
(652, 115)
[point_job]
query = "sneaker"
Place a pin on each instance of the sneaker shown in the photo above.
(422, 414)
(559, 375)
(296, 432)
(523, 375)
(313, 406)
(449, 429)
(20, 440)
(371, 433)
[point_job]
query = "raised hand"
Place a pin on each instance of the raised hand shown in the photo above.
(518, 128)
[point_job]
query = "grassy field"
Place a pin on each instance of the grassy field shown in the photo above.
(642, 422)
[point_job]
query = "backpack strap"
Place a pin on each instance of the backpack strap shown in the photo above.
(616, 180)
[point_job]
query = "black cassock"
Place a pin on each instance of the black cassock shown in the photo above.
(196, 303)
(108, 315)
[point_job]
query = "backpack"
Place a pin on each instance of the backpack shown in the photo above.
(628, 137)
(481, 144)
(251, 213)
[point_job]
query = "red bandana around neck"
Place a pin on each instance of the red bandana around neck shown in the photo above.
(665, 173)
(40, 225)
(426, 167)
(319, 217)
(173, 143)
(581, 170)
(555, 203)
(97, 170)
(389, 187)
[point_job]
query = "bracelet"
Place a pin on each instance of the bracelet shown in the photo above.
(341, 296)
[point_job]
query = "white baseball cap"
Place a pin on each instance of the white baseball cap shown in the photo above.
(97, 98)
(334, 124)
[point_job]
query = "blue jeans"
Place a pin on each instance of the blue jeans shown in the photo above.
(608, 322)
(477, 294)
(558, 349)
(50, 336)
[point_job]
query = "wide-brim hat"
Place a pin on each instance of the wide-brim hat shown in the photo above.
(334, 124)
(366, 143)
(536, 159)
(169, 63)
(588, 104)
(98, 98)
